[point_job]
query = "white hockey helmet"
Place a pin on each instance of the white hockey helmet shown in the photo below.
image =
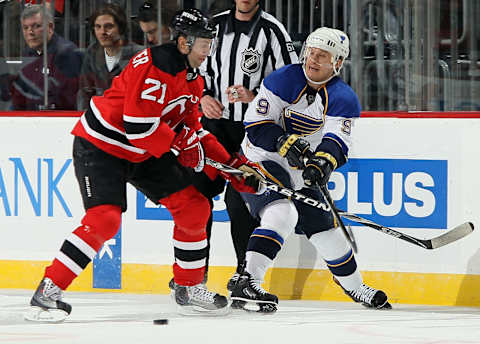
(334, 41)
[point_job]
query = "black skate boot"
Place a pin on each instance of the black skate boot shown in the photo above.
(236, 304)
(197, 299)
(47, 305)
(368, 296)
(249, 290)
(232, 281)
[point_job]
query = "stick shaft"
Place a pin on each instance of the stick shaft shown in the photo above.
(448, 237)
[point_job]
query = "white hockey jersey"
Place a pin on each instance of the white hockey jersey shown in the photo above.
(285, 104)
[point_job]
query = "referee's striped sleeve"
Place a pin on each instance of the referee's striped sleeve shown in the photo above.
(281, 45)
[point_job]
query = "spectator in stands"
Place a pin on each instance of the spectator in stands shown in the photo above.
(27, 90)
(148, 20)
(108, 55)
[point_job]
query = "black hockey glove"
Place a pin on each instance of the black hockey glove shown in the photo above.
(317, 170)
(294, 149)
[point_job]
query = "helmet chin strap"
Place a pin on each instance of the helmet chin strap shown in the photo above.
(316, 82)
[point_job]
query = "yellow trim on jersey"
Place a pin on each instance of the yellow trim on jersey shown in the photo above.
(326, 101)
(257, 123)
(300, 126)
(265, 172)
(300, 95)
(288, 113)
(295, 121)
(298, 120)
(328, 157)
(338, 143)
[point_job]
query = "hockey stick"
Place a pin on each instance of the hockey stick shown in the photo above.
(298, 196)
(348, 233)
(450, 236)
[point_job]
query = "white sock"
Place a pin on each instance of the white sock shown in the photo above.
(352, 282)
(332, 245)
(257, 265)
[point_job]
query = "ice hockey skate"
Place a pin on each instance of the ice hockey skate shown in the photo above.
(47, 305)
(236, 304)
(247, 291)
(232, 281)
(368, 296)
(198, 300)
(172, 284)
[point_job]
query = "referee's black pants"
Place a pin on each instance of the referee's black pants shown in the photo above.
(230, 134)
(242, 223)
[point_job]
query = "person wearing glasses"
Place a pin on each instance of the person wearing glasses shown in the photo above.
(63, 61)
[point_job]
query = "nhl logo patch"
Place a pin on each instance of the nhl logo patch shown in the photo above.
(250, 61)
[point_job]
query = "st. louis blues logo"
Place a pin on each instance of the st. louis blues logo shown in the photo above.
(250, 61)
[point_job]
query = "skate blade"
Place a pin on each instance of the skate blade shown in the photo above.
(254, 307)
(385, 306)
(192, 310)
(41, 315)
(237, 304)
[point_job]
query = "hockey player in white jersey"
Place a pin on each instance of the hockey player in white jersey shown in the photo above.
(299, 128)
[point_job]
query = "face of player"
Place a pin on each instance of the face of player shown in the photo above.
(246, 6)
(318, 64)
(32, 28)
(106, 31)
(199, 51)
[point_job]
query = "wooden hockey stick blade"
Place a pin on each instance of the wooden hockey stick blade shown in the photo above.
(452, 235)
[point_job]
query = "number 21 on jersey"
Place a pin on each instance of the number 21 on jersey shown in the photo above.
(151, 92)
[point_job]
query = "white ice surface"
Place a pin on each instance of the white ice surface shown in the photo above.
(127, 318)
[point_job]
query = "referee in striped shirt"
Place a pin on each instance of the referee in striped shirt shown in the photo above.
(250, 45)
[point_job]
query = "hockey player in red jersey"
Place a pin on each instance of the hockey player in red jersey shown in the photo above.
(145, 130)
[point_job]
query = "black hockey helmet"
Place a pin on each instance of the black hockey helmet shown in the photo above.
(191, 22)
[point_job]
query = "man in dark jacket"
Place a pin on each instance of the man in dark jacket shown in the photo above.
(28, 91)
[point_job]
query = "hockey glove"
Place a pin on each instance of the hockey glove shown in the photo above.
(252, 179)
(188, 149)
(294, 149)
(317, 170)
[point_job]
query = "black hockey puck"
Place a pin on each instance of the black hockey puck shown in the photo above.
(160, 321)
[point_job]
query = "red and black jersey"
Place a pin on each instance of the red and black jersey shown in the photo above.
(136, 118)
